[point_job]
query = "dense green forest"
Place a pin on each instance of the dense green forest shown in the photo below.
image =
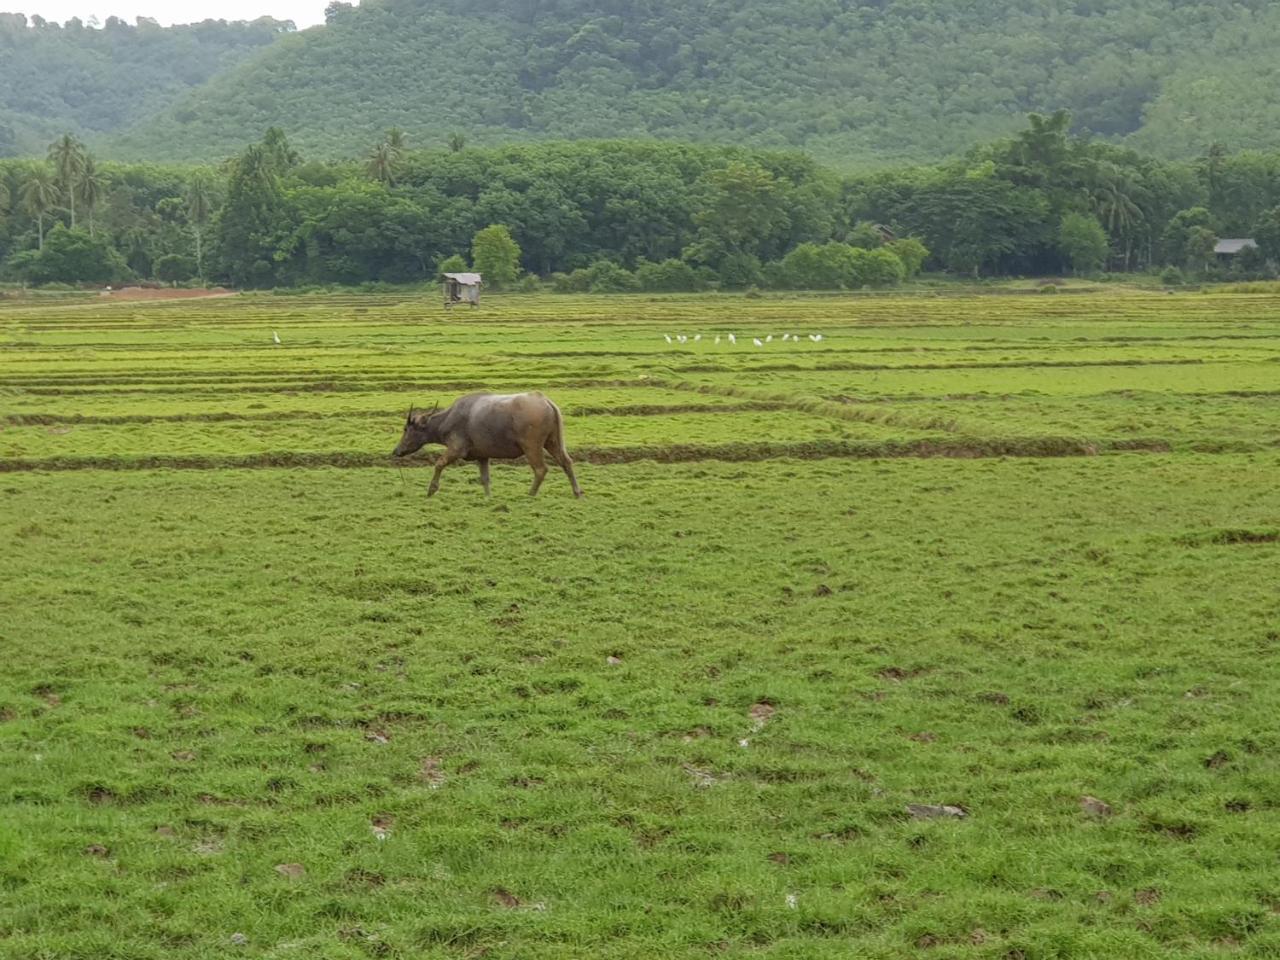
(96, 81)
(854, 83)
(619, 215)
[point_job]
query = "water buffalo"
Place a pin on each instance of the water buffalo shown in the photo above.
(481, 426)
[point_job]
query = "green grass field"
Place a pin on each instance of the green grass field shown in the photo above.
(261, 698)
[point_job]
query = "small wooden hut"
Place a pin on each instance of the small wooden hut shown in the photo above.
(1232, 246)
(462, 288)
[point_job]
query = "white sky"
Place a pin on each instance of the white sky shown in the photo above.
(304, 13)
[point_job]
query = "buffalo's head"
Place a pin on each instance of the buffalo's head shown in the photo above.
(419, 429)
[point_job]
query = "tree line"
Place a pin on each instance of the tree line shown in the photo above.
(622, 215)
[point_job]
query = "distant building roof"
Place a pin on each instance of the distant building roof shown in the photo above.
(471, 279)
(1235, 245)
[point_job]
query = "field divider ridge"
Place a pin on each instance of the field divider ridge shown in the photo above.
(965, 448)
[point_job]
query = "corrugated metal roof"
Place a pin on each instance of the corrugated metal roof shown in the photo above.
(469, 279)
(1234, 245)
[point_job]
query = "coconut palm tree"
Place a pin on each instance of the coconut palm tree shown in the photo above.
(1114, 205)
(199, 209)
(68, 157)
(90, 188)
(39, 195)
(382, 163)
(396, 141)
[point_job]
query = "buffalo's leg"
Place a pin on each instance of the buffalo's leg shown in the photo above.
(539, 468)
(484, 475)
(446, 458)
(561, 456)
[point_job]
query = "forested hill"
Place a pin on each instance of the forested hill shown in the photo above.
(57, 78)
(850, 81)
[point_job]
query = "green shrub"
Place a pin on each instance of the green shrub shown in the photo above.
(912, 253)
(605, 276)
(864, 236)
(880, 268)
(669, 276)
(740, 270)
(71, 256)
(456, 263)
(576, 282)
(1172, 276)
(813, 266)
(174, 268)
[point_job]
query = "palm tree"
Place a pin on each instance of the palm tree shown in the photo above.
(396, 141)
(1115, 206)
(1210, 167)
(68, 157)
(258, 165)
(90, 189)
(199, 207)
(382, 163)
(38, 196)
(456, 142)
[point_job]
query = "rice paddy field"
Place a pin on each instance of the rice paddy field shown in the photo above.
(953, 634)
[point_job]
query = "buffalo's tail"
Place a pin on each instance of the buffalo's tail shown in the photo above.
(555, 444)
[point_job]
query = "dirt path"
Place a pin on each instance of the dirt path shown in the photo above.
(154, 293)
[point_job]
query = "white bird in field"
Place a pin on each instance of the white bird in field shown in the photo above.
(276, 337)
(818, 338)
(786, 337)
(666, 337)
(697, 338)
(682, 338)
(756, 341)
(769, 338)
(717, 339)
(732, 338)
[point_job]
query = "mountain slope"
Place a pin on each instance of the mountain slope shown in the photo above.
(55, 79)
(852, 81)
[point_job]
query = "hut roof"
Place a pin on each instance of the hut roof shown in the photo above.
(1234, 245)
(466, 279)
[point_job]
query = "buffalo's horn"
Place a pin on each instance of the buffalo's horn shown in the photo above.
(409, 419)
